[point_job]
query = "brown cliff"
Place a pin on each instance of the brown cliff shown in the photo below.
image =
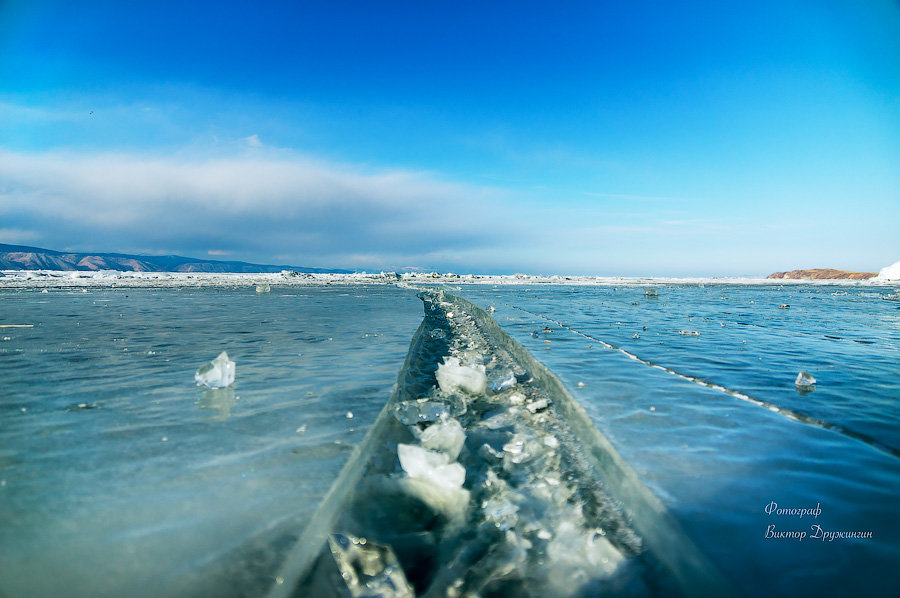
(823, 274)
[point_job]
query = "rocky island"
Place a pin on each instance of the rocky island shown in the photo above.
(823, 274)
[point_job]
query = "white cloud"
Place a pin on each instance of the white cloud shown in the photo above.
(265, 205)
(253, 141)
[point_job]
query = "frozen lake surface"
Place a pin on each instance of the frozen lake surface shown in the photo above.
(118, 475)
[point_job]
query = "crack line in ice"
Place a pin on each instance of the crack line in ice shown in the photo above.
(788, 413)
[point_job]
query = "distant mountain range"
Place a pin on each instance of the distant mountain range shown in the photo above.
(21, 257)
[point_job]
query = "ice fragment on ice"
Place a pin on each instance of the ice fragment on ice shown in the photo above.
(435, 467)
(452, 376)
(495, 422)
(688, 333)
(504, 384)
(784, 306)
(263, 288)
(805, 381)
(537, 405)
(651, 292)
(446, 437)
(218, 373)
(410, 413)
(367, 568)
(501, 512)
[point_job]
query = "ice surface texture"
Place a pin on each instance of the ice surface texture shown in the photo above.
(218, 373)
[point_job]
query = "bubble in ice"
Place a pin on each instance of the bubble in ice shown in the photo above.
(218, 373)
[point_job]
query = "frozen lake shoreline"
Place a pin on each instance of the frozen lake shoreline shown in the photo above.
(47, 279)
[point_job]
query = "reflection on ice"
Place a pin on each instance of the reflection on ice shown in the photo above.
(219, 400)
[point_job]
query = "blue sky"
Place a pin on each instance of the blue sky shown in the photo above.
(608, 138)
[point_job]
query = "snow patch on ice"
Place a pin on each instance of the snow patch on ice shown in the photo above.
(891, 272)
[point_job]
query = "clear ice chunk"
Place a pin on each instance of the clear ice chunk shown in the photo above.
(651, 292)
(263, 288)
(805, 381)
(536, 406)
(575, 551)
(501, 512)
(688, 333)
(501, 420)
(218, 373)
(446, 437)
(435, 467)
(410, 413)
(452, 376)
(367, 568)
(504, 384)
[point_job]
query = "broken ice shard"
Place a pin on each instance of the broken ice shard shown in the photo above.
(805, 382)
(451, 376)
(367, 568)
(263, 288)
(435, 467)
(218, 373)
(504, 384)
(446, 437)
(651, 292)
(410, 413)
